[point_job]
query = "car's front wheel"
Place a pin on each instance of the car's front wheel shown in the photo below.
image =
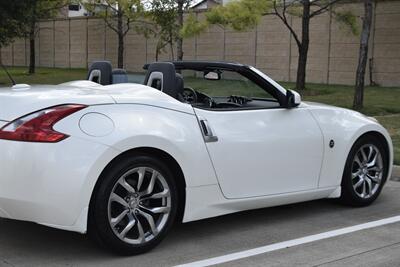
(365, 172)
(134, 205)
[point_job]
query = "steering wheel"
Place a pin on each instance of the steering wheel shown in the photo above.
(189, 95)
(241, 100)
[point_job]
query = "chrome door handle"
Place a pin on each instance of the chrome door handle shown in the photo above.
(208, 135)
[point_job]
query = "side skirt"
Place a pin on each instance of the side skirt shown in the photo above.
(207, 201)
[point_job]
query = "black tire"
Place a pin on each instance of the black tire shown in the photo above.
(99, 227)
(349, 195)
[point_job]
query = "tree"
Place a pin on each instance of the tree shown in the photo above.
(12, 23)
(163, 14)
(245, 14)
(38, 10)
(168, 15)
(120, 16)
(182, 4)
(363, 55)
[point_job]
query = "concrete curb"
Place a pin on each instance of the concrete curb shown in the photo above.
(396, 173)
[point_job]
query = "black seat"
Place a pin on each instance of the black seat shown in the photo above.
(100, 72)
(119, 76)
(180, 85)
(162, 76)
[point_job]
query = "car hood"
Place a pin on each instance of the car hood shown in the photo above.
(318, 107)
(316, 104)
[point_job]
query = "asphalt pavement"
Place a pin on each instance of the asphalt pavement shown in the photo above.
(29, 244)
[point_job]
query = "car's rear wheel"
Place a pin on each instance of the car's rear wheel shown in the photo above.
(134, 205)
(365, 172)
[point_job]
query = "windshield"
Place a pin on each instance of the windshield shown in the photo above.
(229, 83)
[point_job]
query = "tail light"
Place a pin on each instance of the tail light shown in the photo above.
(38, 126)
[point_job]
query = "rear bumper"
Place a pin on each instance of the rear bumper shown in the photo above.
(50, 184)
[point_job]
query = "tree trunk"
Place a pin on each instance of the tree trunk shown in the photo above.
(32, 53)
(157, 50)
(302, 67)
(120, 51)
(120, 41)
(179, 41)
(303, 47)
(32, 35)
(171, 47)
(363, 55)
(1, 60)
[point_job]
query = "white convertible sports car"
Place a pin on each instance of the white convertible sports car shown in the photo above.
(124, 161)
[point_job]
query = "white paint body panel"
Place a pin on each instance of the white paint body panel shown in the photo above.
(17, 103)
(265, 152)
(52, 184)
(344, 127)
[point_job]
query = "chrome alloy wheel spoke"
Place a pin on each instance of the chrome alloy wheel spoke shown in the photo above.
(150, 220)
(141, 232)
(157, 210)
(118, 219)
(141, 173)
(127, 186)
(162, 194)
(138, 212)
(367, 171)
(128, 227)
(151, 184)
(359, 183)
(116, 198)
(356, 174)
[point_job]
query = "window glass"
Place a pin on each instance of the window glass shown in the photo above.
(74, 7)
(231, 83)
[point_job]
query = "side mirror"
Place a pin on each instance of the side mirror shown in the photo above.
(212, 76)
(293, 99)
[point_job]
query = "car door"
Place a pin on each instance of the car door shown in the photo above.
(263, 151)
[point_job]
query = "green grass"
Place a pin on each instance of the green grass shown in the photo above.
(381, 102)
(42, 75)
(392, 124)
(378, 101)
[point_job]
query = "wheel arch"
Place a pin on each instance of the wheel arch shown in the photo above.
(385, 143)
(164, 156)
(381, 137)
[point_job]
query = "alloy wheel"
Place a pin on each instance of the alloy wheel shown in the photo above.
(367, 171)
(139, 205)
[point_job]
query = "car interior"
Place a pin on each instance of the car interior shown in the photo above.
(165, 77)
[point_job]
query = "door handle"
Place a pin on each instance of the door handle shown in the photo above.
(208, 135)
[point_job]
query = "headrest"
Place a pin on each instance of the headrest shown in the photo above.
(100, 72)
(119, 76)
(164, 72)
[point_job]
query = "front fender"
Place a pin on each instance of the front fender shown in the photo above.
(343, 127)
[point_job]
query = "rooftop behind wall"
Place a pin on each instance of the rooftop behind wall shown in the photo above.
(332, 58)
